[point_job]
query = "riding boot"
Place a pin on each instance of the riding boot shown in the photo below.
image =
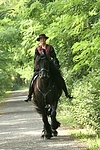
(65, 89)
(30, 92)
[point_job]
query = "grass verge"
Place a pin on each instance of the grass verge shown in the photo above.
(83, 135)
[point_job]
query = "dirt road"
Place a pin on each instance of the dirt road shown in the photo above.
(21, 126)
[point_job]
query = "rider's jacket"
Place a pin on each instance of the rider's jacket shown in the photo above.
(49, 51)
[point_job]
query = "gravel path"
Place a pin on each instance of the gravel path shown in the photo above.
(21, 126)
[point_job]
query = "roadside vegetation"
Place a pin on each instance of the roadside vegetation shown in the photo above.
(73, 27)
(83, 133)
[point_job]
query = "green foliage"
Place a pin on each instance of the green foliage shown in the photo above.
(90, 138)
(86, 105)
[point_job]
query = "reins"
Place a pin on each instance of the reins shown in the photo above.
(48, 76)
(45, 93)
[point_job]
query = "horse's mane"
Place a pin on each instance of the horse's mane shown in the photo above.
(56, 74)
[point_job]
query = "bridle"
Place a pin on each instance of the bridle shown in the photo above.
(48, 91)
(43, 69)
(45, 93)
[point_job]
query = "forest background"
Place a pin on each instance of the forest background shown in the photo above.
(73, 27)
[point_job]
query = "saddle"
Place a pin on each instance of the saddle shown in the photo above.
(33, 79)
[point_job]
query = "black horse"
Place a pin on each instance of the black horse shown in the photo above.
(47, 91)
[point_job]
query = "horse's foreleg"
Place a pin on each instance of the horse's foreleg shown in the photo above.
(47, 127)
(54, 123)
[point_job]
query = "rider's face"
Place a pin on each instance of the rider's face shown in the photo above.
(43, 40)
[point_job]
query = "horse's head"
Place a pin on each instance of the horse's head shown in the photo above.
(43, 65)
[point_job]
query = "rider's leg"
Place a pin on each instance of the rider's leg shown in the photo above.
(63, 85)
(31, 90)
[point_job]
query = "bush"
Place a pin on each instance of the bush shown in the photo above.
(86, 104)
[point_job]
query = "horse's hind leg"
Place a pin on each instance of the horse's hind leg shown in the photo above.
(54, 123)
(47, 128)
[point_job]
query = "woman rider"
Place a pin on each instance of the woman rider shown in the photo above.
(43, 46)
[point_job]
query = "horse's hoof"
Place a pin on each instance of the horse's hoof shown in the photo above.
(54, 133)
(47, 137)
(55, 125)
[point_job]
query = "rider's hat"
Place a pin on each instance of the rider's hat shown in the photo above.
(42, 36)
